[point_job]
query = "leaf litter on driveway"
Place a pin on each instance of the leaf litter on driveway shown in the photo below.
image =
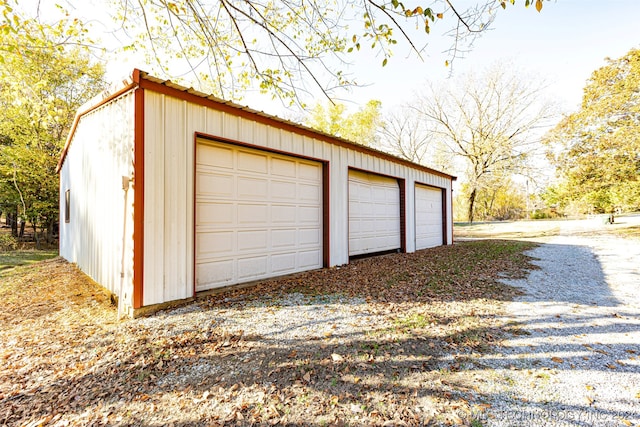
(389, 340)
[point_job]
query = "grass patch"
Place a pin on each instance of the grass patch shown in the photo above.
(507, 229)
(12, 259)
(627, 226)
(631, 232)
(412, 321)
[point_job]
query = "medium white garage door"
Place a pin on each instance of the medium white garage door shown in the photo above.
(258, 215)
(374, 213)
(428, 217)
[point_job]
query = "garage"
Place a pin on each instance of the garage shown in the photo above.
(258, 214)
(429, 217)
(374, 213)
(209, 194)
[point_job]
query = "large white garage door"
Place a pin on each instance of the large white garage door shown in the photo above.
(374, 213)
(258, 215)
(428, 217)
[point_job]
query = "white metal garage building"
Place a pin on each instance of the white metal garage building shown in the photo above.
(165, 192)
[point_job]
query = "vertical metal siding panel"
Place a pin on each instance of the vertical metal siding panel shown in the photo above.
(327, 150)
(196, 121)
(286, 141)
(367, 162)
(125, 166)
(214, 125)
(351, 158)
(174, 249)
(410, 211)
(154, 198)
(263, 134)
(310, 147)
(230, 126)
(386, 166)
(319, 148)
(339, 205)
(273, 136)
(99, 155)
(247, 132)
(377, 164)
(301, 145)
(118, 166)
(399, 168)
(314, 147)
(63, 229)
(355, 159)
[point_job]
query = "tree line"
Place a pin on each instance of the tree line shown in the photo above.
(43, 82)
(486, 127)
(496, 130)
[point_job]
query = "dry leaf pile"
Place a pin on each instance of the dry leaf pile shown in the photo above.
(64, 360)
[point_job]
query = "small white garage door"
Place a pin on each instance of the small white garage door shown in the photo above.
(374, 213)
(428, 217)
(258, 215)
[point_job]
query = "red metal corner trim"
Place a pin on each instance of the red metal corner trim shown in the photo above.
(403, 214)
(138, 200)
(326, 215)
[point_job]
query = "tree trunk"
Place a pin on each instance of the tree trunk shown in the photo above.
(23, 224)
(50, 233)
(472, 201)
(35, 235)
(14, 224)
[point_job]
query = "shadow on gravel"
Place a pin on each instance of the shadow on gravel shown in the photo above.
(573, 356)
(245, 380)
(417, 367)
(568, 274)
(430, 310)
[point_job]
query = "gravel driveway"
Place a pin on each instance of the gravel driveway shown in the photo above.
(575, 360)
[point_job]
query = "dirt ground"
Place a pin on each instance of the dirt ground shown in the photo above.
(65, 360)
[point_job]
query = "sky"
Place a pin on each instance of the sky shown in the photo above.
(562, 45)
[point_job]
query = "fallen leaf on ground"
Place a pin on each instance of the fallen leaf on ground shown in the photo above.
(394, 423)
(336, 357)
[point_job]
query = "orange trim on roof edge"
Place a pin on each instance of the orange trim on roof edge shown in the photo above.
(169, 88)
(79, 115)
(144, 80)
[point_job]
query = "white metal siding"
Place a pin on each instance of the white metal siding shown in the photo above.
(258, 215)
(170, 125)
(374, 213)
(429, 219)
(168, 225)
(99, 235)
